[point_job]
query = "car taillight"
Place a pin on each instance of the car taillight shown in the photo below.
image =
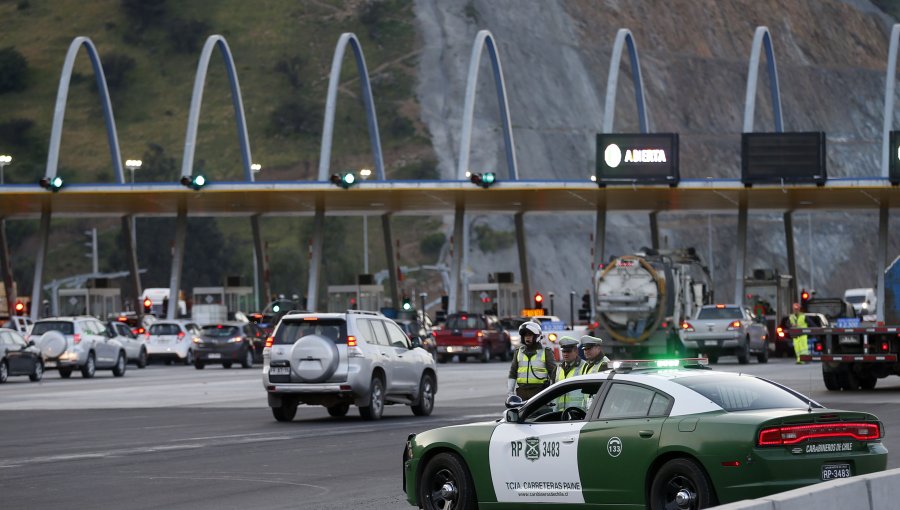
(76, 338)
(351, 341)
(686, 326)
(269, 341)
(479, 334)
(779, 331)
(734, 325)
(353, 349)
(147, 337)
(779, 436)
(819, 347)
(180, 336)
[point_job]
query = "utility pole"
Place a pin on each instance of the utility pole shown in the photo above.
(95, 262)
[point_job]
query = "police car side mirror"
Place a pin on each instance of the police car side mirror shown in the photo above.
(514, 402)
(511, 416)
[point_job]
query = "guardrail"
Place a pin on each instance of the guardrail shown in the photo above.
(876, 491)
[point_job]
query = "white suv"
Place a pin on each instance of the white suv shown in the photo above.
(338, 359)
(82, 342)
(172, 341)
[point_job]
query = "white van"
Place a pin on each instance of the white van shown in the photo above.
(863, 300)
(156, 297)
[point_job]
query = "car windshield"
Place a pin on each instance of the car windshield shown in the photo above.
(742, 393)
(64, 327)
(220, 331)
(164, 329)
(289, 332)
(464, 322)
(855, 300)
(720, 313)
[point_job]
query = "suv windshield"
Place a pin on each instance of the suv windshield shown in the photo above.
(219, 331)
(64, 327)
(289, 331)
(464, 322)
(741, 393)
(164, 329)
(855, 300)
(720, 313)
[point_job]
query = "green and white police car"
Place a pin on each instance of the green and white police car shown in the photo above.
(660, 434)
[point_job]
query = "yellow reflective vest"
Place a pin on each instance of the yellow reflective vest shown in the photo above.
(573, 398)
(532, 369)
(592, 367)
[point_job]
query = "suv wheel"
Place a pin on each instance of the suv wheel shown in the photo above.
(425, 404)
(38, 373)
(199, 365)
(4, 371)
(142, 359)
(486, 353)
(286, 411)
(89, 368)
(338, 410)
(375, 408)
(119, 368)
(189, 357)
(743, 352)
(763, 355)
(248, 359)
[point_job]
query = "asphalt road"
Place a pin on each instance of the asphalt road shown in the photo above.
(175, 437)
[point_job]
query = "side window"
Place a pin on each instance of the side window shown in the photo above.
(379, 333)
(364, 327)
(627, 401)
(397, 337)
(660, 405)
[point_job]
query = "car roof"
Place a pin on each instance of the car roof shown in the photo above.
(332, 315)
(67, 318)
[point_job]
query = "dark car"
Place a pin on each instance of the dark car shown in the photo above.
(227, 343)
(18, 357)
(419, 333)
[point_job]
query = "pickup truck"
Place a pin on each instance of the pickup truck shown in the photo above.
(472, 335)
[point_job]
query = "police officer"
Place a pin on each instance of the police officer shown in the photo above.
(594, 360)
(533, 367)
(570, 367)
(798, 320)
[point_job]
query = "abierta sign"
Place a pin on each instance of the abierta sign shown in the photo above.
(637, 158)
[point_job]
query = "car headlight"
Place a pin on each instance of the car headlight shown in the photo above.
(865, 306)
(197, 341)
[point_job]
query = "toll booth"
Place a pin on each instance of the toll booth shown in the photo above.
(101, 303)
(500, 299)
(355, 297)
(770, 294)
(233, 299)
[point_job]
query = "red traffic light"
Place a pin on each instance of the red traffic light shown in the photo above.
(20, 307)
(804, 296)
(538, 298)
(147, 304)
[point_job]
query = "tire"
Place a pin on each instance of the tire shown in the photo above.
(681, 477)
(743, 352)
(763, 356)
(226, 364)
(486, 353)
(66, 372)
(142, 359)
(713, 358)
(38, 373)
(848, 380)
(831, 380)
(189, 358)
(90, 367)
(4, 371)
(338, 410)
(121, 363)
(247, 362)
(446, 483)
(867, 381)
(199, 365)
(442, 358)
(286, 411)
(374, 410)
(425, 404)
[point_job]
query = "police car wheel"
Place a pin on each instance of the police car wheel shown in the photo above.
(446, 484)
(681, 484)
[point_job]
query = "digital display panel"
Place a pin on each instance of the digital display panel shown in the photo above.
(777, 158)
(641, 158)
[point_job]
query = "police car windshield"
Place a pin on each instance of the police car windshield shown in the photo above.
(720, 313)
(742, 393)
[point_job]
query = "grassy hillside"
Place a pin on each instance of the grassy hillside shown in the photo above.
(282, 51)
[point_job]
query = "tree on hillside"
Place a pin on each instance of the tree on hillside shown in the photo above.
(144, 13)
(13, 70)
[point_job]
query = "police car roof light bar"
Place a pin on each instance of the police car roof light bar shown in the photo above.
(633, 364)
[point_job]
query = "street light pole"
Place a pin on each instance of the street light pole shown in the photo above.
(551, 303)
(133, 164)
(364, 174)
(572, 308)
(4, 160)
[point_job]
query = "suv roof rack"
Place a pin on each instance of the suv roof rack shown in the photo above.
(366, 312)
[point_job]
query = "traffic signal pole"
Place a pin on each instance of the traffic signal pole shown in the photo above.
(40, 257)
(6, 268)
(523, 258)
(128, 232)
(791, 260)
(177, 261)
(391, 260)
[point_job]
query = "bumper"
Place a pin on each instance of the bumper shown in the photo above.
(68, 359)
(167, 351)
(711, 343)
(459, 349)
(217, 354)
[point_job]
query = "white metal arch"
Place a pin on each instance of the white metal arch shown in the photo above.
(331, 104)
(190, 139)
(483, 39)
(59, 111)
(623, 36)
(761, 37)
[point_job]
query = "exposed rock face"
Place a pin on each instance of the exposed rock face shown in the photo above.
(831, 58)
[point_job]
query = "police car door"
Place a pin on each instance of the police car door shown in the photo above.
(536, 459)
(618, 446)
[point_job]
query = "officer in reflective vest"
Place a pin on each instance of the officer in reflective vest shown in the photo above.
(798, 320)
(533, 368)
(594, 360)
(570, 367)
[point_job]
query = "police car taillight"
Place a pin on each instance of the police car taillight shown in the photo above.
(778, 436)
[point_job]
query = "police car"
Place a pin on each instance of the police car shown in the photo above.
(654, 434)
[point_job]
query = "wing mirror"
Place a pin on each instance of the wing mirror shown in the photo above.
(511, 416)
(514, 402)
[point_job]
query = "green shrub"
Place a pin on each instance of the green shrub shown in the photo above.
(13, 70)
(490, 240)
(431, 245)
(418, 171)
(294, 118)
(117, 67)
(187, 35)
(292, 69)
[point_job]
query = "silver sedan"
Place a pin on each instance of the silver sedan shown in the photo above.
(726, 329)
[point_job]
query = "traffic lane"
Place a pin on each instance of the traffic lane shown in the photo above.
(210, 458)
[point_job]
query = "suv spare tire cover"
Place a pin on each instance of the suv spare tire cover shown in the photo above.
(52, 344)
(314, 358)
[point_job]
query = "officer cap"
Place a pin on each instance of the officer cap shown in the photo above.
(591, 340)
(567, 341)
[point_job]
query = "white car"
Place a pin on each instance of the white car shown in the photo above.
(172, 341)
(135, 349)
(81, 342)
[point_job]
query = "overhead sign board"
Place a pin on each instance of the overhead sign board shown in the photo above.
(641, 158)
(894, 158)
(780, 158)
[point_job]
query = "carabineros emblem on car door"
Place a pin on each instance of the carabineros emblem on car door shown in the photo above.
(532, 448)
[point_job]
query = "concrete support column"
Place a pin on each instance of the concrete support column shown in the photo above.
(6, 269)
(599, 249)
(741, 249)
(881, 256)
(40, 257)
(128, 232)
(654, 230)
(791, 259)
(523, 259)
(315, 259)
(261, 266)
(391, 260)
(177, 262)
(459, 221)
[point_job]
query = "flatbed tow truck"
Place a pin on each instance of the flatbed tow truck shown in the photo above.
(853, 357)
